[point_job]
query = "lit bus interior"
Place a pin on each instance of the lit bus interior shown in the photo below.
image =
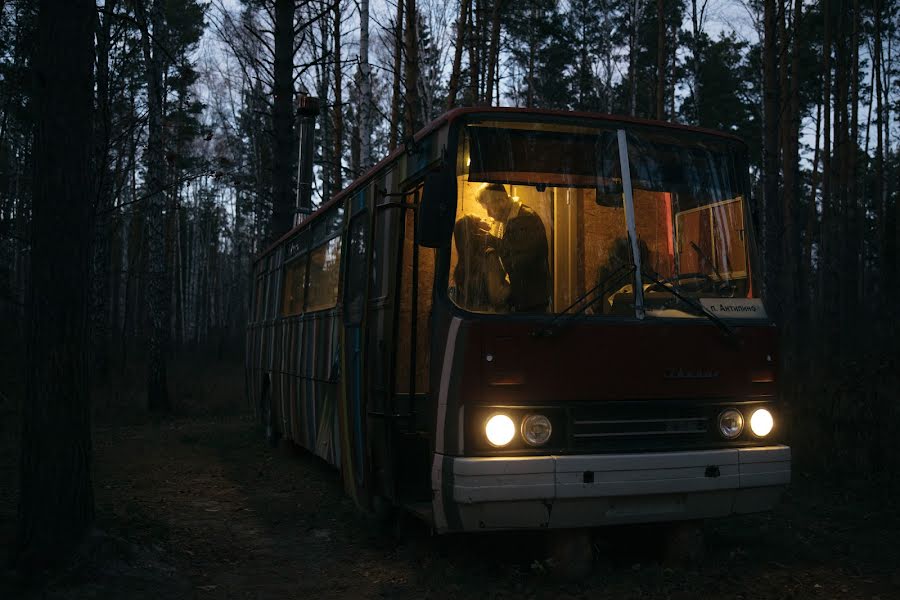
(689, 219)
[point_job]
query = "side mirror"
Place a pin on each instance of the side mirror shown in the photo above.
(437, 209)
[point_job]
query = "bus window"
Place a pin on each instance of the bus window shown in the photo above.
(260, 299)
(357, 281)
(294, 279)
(324, 270)
(689, 213)
(540, 219)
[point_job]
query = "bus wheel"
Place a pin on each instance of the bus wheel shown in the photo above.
(267, 418)
(684, 545)
(570, 553)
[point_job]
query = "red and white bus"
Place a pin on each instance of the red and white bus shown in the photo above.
(530, 319)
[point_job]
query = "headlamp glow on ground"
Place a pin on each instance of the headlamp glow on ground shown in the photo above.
(761, 422)
(499, 430)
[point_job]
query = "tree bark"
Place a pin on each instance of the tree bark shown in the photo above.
(394, 134)
(773, 225)
(660, 60)
(283, 121)
(56, 503)
(461, 24)
(474, 49)
(365, 90)
(825, 226)
(695, 60)
(494, 52)
(632, 59)
(103, 232)
(411, 72)
(338, 113)
(157, 290)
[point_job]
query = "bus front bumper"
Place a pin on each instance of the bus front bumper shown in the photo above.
(560, 491)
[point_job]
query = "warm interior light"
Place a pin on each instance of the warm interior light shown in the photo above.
(500, 430)
(761, 422)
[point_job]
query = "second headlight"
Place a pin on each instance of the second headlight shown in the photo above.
(536, 429)
(731, 423)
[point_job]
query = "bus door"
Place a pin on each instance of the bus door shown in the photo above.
(355, 462)
(412, 410)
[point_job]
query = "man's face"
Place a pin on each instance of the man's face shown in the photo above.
(496, 203)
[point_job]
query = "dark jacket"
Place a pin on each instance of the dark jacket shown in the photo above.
(524, 252)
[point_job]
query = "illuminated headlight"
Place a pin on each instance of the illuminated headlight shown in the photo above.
(761, 422)
(500, 430)
(536, 429)
(731, 423)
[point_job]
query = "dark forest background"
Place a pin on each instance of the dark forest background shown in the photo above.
(148, 152)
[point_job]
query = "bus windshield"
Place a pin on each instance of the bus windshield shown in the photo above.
(543, 222)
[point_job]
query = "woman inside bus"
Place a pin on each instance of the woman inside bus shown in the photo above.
(480, 279)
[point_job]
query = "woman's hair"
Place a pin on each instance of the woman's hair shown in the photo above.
(478, 275)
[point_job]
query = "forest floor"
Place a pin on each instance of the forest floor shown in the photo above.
(200, 507)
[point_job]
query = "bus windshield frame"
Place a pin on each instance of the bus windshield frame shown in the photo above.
(605, 218)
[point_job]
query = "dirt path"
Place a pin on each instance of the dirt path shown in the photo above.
(235, 519)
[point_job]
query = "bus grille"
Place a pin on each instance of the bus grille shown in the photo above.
(637, 426)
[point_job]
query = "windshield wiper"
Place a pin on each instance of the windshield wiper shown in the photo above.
(692, 302)
(723, 283)
(566, 317)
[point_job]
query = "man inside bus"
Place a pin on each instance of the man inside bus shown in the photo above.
(522, 246)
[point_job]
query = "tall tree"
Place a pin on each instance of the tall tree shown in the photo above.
(394, 133)
(283, 119)
(338, 111)
(770, 155)
(365, 89)
(56, 505)
(461, 24)
(153, 44)
(661, 59)
(411, 72)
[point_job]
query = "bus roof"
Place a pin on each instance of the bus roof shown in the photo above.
(457, 113)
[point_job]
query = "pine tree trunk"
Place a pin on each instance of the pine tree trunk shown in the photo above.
(338, 113)
(411, 72)
(394, 134)
(474, 48)
(878, 181)
(695, 61)
(825, 227)
(157, 293)
(461, 24)
(632, 59)
(100, 274)
(789, 160)
(365, 90)
(283, 121)
(773, 225)
(660, 60)
(56, 503)
(494, 52)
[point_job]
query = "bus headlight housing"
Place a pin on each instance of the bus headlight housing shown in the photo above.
(499, 430)
(761, 422)
(536, 429)
(731, 423)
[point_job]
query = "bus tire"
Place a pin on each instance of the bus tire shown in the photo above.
(267, 419)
